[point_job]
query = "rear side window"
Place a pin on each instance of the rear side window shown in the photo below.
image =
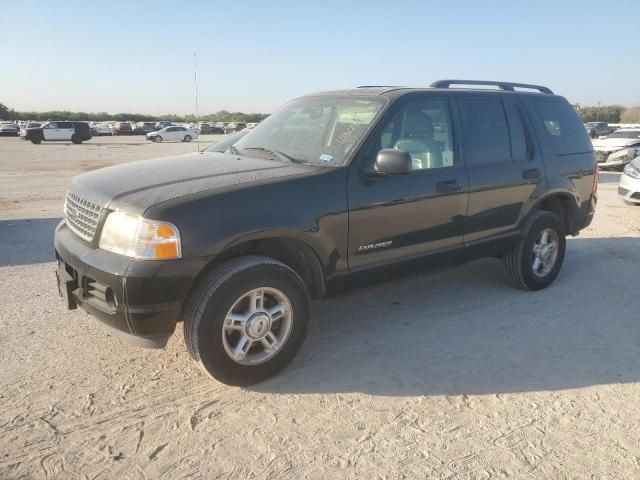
(485, 131)
(563, 127)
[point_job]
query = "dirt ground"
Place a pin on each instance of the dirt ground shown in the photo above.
(445, 374)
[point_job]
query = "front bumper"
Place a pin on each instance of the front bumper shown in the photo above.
(610, 160)
(139, 301)
(629, 188)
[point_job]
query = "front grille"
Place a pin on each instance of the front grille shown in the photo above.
(602, 156)
(81, 216)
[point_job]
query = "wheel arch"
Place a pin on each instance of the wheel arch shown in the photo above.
(562, 204)
(293, 252)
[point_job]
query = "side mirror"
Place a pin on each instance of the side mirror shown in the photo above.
(393, 162)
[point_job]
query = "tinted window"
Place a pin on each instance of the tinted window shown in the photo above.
(485, 131)
(422, 128)
(563, 127)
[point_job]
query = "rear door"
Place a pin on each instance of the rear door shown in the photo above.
(506, 170)
(401, 216)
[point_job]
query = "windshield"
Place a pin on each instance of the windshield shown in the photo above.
(224, 144)
(320, 130)
(625, 134)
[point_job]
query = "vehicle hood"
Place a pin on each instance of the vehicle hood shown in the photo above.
(155, 132)
(136, 186)
(609, 144)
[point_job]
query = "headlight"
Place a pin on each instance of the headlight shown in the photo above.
(625, 152)
(632, 171)
(137, 237)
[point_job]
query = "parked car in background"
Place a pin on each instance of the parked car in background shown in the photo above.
(598, 129)
(9, 129)
(234, 245)
(209, 128)
(142, 128)
(163, 123)
(618, 148)
(629, 186)
(25, 125)
(173, 134)
(230, 127)
(122, 128)
(76, 132)
(99, 129)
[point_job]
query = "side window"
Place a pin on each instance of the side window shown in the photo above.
(423, 128)
(485, 131)
(563, 127)
(52, 125)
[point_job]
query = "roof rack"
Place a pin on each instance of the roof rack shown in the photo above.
(377, 86)
(508, 86)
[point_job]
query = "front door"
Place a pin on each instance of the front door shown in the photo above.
(51, 131)
(401, 216)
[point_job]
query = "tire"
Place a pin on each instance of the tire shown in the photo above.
(187, 138)
(157, 139)
(210, 338)
(76, 139)
(520, 261)
(36, 140)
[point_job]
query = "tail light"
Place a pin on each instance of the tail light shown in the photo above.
(596, 179)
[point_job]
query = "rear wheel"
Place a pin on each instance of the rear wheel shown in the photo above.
(157, 139)
(536, 261)
(75, 138)
(247, 320)
(187, 138)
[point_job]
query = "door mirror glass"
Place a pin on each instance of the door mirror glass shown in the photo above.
(391, 161)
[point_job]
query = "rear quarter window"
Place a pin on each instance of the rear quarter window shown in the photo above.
(562, 127)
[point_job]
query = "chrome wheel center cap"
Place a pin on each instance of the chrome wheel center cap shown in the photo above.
(258, 326)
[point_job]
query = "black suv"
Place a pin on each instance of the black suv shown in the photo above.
(235, 243)
(76, 132)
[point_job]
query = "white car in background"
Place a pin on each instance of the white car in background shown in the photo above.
(173, 133)
(629, 186)
(618, 148)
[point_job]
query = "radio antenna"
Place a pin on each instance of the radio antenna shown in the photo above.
(195, 84)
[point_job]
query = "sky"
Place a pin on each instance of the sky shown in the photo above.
(138, 56)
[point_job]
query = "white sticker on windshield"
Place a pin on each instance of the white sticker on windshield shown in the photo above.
(326, 157)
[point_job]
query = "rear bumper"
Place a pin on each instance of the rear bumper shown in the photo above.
(584, 215)
(138, 301)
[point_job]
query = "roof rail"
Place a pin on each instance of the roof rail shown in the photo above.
(377, 86)
(508, 86)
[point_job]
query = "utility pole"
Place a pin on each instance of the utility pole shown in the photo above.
(598, 112)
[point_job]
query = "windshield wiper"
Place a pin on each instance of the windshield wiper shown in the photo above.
(277, 153)
(232, 150)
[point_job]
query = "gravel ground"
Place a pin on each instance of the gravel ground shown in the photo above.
(446, 374)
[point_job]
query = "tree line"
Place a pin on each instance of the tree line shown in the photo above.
(604, 113)
(7, 113)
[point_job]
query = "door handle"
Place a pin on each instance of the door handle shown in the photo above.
(531, 173)
(449, 186)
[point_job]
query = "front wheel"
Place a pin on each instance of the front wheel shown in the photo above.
(187, 138)
(157, 139)
(535, 262)
(247, 320)
(36, 140)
